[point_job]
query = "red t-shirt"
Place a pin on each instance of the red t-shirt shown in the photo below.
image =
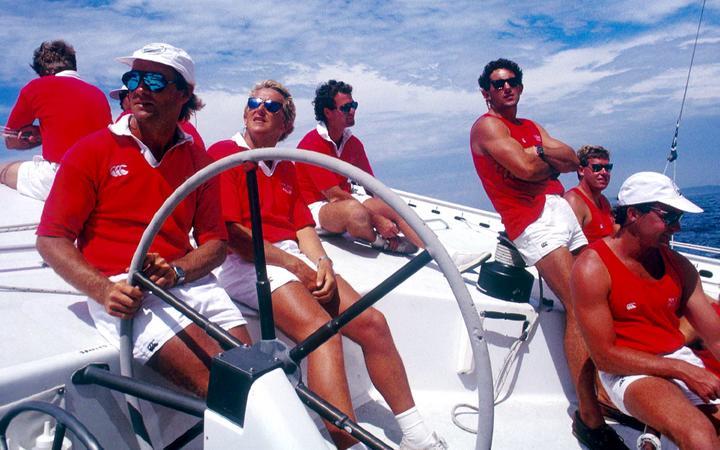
(518, 202)
(67, 109)
(313, 179)
(601, 219)
(282, 209)
(105, 194)
(646, 313)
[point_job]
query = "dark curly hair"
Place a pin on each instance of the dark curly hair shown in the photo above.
(194, 103)
(325, 97)
(502, 63)
(53, 57)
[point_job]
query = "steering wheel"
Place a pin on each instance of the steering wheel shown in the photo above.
(473, 322)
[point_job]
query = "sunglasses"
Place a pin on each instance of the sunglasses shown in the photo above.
(598, 167)
(271, 106)
(668, 217)
(348, 106)
(154, 81)
(499, 84)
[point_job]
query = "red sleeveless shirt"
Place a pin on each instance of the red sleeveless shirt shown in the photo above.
(601, 219)
(646, 313)
(518, 202)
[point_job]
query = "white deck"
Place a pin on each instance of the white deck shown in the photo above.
(45, 337)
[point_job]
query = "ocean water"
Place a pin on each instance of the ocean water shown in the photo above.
(704, 228)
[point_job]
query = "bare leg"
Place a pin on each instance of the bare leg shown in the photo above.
(185, 359)
(385, 367)
(662, 405)
(555, 269)
(380, 207)
(9, 173)
(298, 314)
(347, 216)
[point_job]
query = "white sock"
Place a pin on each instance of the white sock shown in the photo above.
(358, 446)
(414, 429)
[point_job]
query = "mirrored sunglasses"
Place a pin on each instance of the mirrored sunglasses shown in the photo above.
(271, 106)
(348, 106)
(598, 167)
(499, 84)
(154, 81)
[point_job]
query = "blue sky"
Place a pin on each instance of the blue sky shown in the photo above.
(603, 72)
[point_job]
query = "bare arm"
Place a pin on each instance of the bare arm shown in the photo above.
(489, 136)
(558, 154)
(26, 138)
(335, 194)
(581, 210)
(202, 260)
(590, 284)
(310, 245)
(698, 310)
(119, 299)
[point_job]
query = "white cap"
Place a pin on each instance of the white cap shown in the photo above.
(115, 93)
(158, 52)
(650, 187)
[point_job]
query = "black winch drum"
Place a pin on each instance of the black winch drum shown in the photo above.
(505, 278)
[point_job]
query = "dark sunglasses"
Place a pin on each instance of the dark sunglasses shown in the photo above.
(154, 81)
(598, 167)
(668, 217)
(499, 84)
(348, 106)
(271, 106)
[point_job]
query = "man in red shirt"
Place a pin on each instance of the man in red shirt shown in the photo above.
(67, 109)
(518, 163)
(108, 187)
(335, 208)
(630, 291)
(590, 206)
(306, 292)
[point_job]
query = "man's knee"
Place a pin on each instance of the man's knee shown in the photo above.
(373, 326)
(9, 174)
(698, 436)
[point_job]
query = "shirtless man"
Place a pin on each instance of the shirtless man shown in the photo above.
(630, 291)
(334, 207)
(590, 206)
(518, 163)
(107, 190)
(66, 107)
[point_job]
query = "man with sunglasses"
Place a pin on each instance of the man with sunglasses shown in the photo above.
(335, 208)
(518, 163)
(590, 206)
(630, 291)
(108, 188)
(66, 108)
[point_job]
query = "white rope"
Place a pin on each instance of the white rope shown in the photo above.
(20, 227)
(38, 290)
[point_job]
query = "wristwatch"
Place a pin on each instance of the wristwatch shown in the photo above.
(179, 275)
(540, 152)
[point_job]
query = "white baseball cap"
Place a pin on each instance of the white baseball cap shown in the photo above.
(115, 93)
(159, 52)
(650, 187)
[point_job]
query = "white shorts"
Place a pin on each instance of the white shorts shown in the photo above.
(315, 211)
(237, 276)
(556, 227)
(156, 321)
(35, 178)
(616, 385)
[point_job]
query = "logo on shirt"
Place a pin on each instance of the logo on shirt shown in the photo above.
(118, 170)
(630, 306)
(287, 188)
(672, 302)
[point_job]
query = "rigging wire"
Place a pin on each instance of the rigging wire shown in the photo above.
(673, 147)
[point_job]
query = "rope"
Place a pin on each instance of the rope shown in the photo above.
(38, 290)
(673, 147)
(21, 227)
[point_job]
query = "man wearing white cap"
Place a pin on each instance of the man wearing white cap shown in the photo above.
(108, 188)
(630, 291)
